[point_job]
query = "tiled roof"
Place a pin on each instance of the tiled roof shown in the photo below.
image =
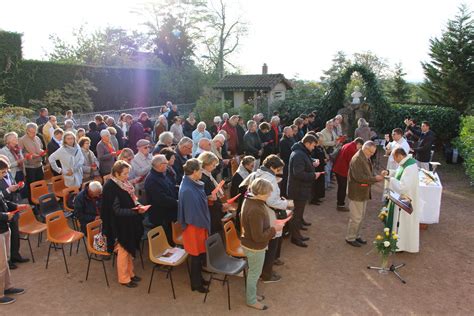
(251, 82)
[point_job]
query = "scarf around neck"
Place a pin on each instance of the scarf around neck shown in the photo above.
(126, 186)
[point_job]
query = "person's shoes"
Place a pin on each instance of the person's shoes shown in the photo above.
(20, 260)
(361, 241)
(305, 223)
(200, 289)
(342, 208)
(278, 262)
(258, 306)
(303, 228)
(130, 284)
(6, 300)
(315, 202)
(260, 297)
(273, 279)
(205, 282)
(303, 238)
(353, 243)
(12, 266)
(14, 291)
(299, 243)
(136, 279)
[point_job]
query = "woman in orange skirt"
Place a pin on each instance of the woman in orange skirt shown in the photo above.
(193, 215)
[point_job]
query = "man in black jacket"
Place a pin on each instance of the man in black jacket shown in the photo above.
(11, 192)
(87, 204)
(286, 142)
(301, 174)
(54, 145)
(162, 196)
(6, 217)
(184, 150)
(252, 142)
(111, 123)
(422, 148)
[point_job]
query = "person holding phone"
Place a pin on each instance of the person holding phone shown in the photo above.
(257, 231)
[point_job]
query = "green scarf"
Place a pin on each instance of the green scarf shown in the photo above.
(391, 205)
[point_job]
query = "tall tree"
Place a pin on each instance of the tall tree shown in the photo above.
(226, 37)
(450, 73)
(376, 64)
(399, 90)
(339, 63)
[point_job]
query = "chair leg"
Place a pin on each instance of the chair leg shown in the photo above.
(49, 251)
(70, 250)
(171, 280)
(88, 266)
(31, 250)
(228, 290)
(77, 247)
(64, 256)
(151, 278)
(40, 236)
(208, 286)
(187, 267)
(105, 271)
(85, 247)
(141, 259)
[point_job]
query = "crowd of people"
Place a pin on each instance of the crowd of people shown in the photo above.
(176, 166)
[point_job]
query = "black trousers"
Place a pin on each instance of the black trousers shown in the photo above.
(341, 190)
(197, 263)
(32, 175)
(297, 220)
(318, 189)
(14, 240)
(270, 256)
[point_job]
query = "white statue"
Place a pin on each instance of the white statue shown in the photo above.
(356, 95)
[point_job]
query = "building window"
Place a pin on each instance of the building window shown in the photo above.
(279, 95)
(249, 97)
(229, 96)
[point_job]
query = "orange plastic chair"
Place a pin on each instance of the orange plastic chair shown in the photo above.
(59, 233)
(28, 225)
(37, 189)
(157, 244)
(233, 246)
(177, 230)
(66, 193)
(93, 228)
(58, 186)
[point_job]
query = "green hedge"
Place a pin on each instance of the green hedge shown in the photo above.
(117, 87)
(444, 121)
(465, 142)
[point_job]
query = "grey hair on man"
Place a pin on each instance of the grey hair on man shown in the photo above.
(251, 123)
(165, 138)
(369, 144)
(158, 160)
(95, 186)
(184, 141)
(31, 125)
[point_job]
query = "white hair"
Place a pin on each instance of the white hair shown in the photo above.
(251, 123)
(275, 119)
(217, 119)
(158, 159)
(104, 132)
(201, 124)
(185, 140)
(68, 123)
(219, 137)
(31, 125)
(225, 116)
(165, 137)
(95, 186)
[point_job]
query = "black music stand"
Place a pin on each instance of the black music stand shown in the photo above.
(402, 205)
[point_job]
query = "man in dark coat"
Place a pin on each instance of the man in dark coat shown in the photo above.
(172, 114)
(54, 145)
(183, 153)
(135, 132)
(87, 204)
(162, 196)
(423, 146)
(286, 142)
(94, 136)
(301, 174)
(252, 142)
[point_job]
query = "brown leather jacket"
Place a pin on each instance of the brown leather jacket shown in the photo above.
(360, 178)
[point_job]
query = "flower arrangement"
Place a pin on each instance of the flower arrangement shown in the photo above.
(383, 214)
(386, 244)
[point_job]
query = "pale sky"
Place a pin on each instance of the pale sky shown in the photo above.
(296, 38)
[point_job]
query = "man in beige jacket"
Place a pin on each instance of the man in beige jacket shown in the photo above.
(359, 182)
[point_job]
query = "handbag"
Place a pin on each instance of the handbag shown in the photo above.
(100, 242)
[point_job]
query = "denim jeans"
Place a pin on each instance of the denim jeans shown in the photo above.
(327, 174)
(255, 260)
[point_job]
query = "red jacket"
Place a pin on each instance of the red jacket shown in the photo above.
(233, 141)
(343, 159)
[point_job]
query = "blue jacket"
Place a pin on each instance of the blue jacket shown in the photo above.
(178, 166)
(85, 208)
(192, 206)
(162, 196)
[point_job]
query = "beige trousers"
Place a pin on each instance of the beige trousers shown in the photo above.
(5, 282)
(356, 216)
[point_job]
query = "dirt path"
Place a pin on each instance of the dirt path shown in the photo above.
(328, 277)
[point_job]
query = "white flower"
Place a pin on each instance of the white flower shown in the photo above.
(386, 244)
(386, 229)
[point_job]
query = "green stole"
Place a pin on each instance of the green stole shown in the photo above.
(391, 205)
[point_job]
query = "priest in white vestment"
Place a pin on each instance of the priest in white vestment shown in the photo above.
(405, 181)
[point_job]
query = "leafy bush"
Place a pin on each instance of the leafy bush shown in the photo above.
(444, 121)
(74, 96)
(246, 111)
(465, 142)
(13, 119)
(210, 105)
